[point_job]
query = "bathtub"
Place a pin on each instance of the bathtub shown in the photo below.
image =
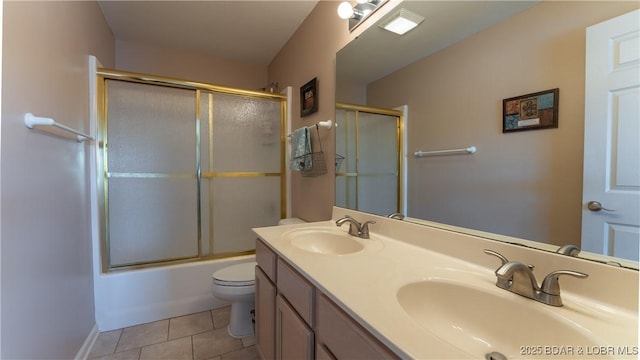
(135, 297)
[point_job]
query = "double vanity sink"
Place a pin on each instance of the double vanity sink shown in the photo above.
(424, 304)
(329, 241)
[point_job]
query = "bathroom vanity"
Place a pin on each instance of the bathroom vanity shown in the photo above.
(295, 320)
(412, 291)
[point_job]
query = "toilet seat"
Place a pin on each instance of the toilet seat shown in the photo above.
(236, 275)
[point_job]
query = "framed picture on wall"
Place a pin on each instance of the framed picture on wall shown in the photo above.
(532, 111)
(309, 98)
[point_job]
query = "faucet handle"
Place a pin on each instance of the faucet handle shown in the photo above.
(364, 229)
(503, 258)
(550, 284)
(497, 254)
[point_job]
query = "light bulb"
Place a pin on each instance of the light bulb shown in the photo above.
(345, 10)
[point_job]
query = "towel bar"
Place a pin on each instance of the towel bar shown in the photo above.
(469, 150)
(30, 121)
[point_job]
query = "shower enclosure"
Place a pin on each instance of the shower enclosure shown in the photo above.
(187, 169)
(368, 158)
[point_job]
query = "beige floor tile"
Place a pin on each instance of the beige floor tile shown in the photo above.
(190, 325)
(248, 353)
(221, 317)
(143, 335)
(105, 343)
(248, 341)
(213, 343)
(133, 354)
(179, 349)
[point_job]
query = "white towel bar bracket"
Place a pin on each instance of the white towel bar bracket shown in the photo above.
(30, 121)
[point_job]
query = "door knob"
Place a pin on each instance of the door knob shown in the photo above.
(596, 206)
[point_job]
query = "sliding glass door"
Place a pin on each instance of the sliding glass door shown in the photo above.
(188, 171)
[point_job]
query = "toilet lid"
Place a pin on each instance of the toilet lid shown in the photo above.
(236, 275)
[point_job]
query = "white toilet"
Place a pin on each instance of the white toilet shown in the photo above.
(236, 284)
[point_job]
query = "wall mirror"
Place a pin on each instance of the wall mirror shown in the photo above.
(451, 74)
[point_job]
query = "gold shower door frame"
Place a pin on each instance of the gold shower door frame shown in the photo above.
(103, 177)
(356, 110)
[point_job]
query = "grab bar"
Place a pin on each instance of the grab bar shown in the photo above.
(469, 150)
(31, 120)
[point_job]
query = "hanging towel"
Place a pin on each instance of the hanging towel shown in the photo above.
(301, 150)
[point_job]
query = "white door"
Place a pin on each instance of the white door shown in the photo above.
(612, 138)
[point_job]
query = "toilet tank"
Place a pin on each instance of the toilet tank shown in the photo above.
(290, 221)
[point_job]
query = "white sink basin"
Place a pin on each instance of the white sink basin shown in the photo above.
(480, 322)
(324, 241)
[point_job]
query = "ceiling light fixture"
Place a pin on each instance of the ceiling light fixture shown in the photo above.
(358, 12)
(346, 11)
(402, 21)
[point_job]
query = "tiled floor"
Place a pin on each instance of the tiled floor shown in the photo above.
(191, 337)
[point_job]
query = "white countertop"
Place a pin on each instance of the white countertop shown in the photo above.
(365, 285)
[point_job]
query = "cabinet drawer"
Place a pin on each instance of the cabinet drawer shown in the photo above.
(266, 259)
(298, 291)
(343, 338)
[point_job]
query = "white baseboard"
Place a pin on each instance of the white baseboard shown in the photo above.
(84, 351)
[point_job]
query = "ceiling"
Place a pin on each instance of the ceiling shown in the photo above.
(247, 31)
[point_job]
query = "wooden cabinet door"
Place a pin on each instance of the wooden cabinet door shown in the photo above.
(294, 339)
(322, 353)
(342, 338)
(265, 316)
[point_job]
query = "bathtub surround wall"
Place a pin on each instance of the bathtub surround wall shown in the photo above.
(47, 285)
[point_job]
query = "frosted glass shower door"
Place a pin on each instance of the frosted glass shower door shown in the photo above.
(378, 163)
(150, 151)
(346, 195)
(369, 177)
(241, 169)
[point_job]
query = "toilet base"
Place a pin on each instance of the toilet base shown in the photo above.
(241, 322)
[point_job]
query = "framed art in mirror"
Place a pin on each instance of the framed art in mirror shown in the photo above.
(532, 111)
(309, 98)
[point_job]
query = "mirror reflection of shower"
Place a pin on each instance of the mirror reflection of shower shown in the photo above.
(368, 159)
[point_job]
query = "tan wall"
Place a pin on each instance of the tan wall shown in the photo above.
(188, 65)
(526, 184)
(310, 53)
(47, 279)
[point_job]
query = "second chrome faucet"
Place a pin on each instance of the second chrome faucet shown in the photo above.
(518, 278)
(355, 228)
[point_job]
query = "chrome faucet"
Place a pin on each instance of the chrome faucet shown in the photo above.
(355, 228)
(518, 278)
